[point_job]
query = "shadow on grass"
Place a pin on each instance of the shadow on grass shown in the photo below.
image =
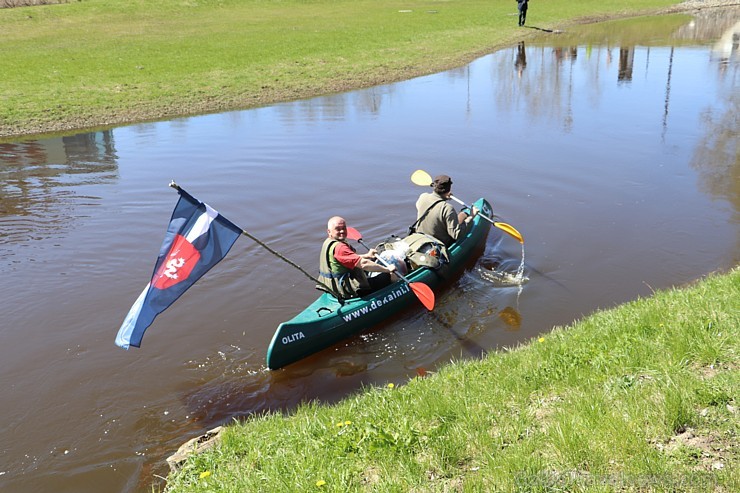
(542, 29)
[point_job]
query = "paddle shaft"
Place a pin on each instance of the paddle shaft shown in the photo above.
(471, 209)
(277, 254)
(502, 226)
(287, 260)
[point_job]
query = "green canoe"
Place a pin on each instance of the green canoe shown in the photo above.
(326, 322)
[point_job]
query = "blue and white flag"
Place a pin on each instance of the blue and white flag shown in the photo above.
(198, 237)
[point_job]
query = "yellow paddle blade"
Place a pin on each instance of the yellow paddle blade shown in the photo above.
(511, 230)
(421, 178)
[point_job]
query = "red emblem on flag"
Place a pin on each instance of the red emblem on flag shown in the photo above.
(178, 264)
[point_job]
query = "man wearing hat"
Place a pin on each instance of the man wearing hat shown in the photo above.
(435, 217)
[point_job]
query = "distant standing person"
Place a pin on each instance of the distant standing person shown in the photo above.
(522, 4)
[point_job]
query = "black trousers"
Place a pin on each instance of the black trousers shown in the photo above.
(522, 13)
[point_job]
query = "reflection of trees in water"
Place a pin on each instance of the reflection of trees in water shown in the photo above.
(727, 47)
(38, 180)
(716, 156)
(570, 54)
(626, 64)
(709, 24)
(539, 81)
(336, 106)
(667, 99)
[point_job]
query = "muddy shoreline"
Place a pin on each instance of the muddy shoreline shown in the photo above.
(213, 104)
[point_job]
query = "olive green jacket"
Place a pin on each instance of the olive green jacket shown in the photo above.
(346, 282)
(440, 221)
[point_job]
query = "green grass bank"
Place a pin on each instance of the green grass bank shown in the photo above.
(94, 63)
(642, 397)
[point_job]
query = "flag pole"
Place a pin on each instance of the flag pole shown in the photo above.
(319, 284)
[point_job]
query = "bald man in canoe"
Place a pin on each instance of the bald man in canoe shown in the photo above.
(342, 269)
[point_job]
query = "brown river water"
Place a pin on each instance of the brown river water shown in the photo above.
(616, 159)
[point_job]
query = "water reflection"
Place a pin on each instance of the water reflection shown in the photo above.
(521, 59)
(716, 157)
(337, 107)
(626, 62)
(511, 317)
(726, 48)
(548, 91)
(42, 183)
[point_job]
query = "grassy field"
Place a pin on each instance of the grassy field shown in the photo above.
(638, 398)
(93, 63)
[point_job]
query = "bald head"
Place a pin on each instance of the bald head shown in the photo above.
(336, 228)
